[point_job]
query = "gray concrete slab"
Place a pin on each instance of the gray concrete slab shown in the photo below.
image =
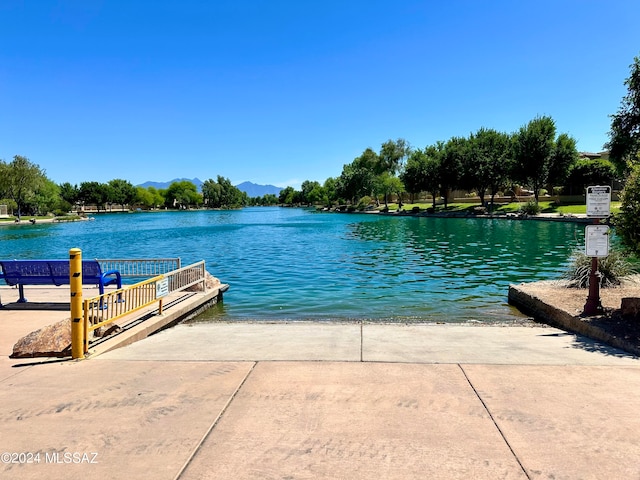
(538, 345)
(311, 420)
(134, 419)
(248, 341)
(566, 422)
(373, 342)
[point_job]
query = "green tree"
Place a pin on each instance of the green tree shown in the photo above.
(121, 192)
(358, 178)
(158, 196)
(624, 136)
(269, 199)
(486, 167)
(387, 184)
(316, 195)
(47, 198)
(533, 151)
(93, 193)
(392, 156)
(452, 156)
(564, 157)
(211, 193)
(230, 196)
(329, 188)
(422, 172)
(627, 222)
(585, 172)
(182, 194)
(20, 180)
(144, 198)
(287, 196)
(307, 187)
(69, 193)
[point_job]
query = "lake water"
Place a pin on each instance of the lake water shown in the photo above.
(285, 263)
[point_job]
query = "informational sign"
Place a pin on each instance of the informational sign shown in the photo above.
(596, 240)
(162, 288)
(599, 201)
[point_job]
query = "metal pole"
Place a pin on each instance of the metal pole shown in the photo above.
(593, 305)
(75, 281)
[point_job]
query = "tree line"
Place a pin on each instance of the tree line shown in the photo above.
(487, 162)
(26, 190)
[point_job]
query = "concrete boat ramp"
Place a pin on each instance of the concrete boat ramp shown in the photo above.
(319, 401)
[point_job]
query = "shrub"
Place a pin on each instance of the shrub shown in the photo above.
(610, 269)
(363, 203)
(627, 222)
(530, 208)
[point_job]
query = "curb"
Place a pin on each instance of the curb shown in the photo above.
(541, 311)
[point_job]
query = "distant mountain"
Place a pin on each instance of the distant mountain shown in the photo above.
(163, 185)
(251, 189)
(254, 190)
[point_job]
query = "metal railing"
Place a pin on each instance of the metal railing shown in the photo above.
(140, 267)
(103, 310)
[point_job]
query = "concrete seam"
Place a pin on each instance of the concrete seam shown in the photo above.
(361, 340)
(504, 438)
(213, 425)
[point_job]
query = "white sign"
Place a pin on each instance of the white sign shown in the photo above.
(599, 201)
(162, 288)
(596, 240)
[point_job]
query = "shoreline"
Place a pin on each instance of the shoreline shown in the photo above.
(44, 220)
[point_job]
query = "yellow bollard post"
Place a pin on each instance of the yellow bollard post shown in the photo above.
(78, 339)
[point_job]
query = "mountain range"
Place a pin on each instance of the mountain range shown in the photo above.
(251, 189)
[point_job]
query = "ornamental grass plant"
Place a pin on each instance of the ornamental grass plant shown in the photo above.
(611, 269)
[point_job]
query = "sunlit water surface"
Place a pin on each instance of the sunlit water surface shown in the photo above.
(297, 264)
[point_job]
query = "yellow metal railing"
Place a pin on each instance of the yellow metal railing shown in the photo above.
(103, 310)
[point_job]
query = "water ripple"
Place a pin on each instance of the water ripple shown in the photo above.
(296, 264)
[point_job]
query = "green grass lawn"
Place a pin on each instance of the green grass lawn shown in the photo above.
(513, 207)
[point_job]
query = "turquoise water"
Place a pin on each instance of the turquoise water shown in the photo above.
(298, 264)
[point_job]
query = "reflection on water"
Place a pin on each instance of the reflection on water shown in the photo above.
(297, 264)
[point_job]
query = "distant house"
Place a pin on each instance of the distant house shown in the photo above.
(604, 155)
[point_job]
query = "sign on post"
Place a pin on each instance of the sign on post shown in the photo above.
(597, 240)
(599, 201)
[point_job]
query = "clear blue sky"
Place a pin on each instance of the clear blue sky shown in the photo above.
(277, 92)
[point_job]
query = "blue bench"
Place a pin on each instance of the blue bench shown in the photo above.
(54, 272)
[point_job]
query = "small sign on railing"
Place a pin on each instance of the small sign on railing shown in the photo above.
(162, 288)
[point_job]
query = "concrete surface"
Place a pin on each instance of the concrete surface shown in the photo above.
(322, 401)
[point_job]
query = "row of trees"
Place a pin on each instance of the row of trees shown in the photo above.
(489, 162)
(486, 162)
(26, 189)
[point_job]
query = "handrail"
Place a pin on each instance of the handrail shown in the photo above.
(102, 310)
(140, 267)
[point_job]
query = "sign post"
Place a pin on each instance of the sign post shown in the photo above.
(596, 242)
(162, 290)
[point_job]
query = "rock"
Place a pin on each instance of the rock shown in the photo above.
(112, 330)
(50, 341)
(630, 307)
(210, 281)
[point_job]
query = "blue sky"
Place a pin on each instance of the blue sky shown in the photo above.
(277, 92)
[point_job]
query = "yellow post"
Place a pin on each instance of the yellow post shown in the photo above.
(75, 280)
